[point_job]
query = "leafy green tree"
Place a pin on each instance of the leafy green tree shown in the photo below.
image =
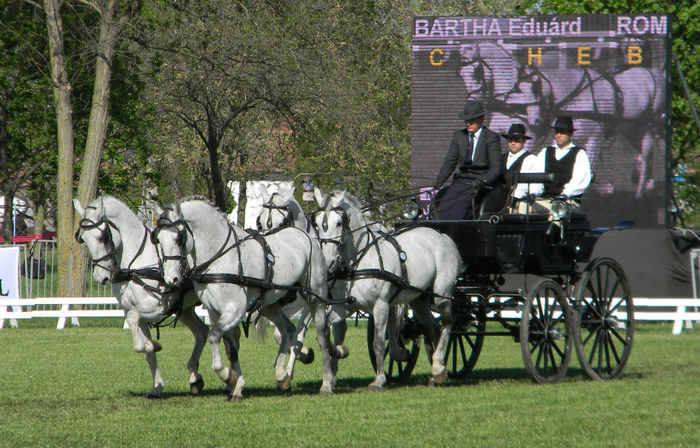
(27, 128)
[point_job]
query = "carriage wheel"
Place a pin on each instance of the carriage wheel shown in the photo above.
(604, 319)
(546, 333)
(397, 371)
(464, 345)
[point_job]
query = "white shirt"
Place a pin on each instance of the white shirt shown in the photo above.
(530, 165)
(580, 176)
(476, 140)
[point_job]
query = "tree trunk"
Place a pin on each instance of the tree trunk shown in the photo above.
(7, 217)
(68, 280)
(97, 125)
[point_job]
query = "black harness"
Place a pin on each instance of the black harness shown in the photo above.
(197, 273)
(129, 274)
(346, 270)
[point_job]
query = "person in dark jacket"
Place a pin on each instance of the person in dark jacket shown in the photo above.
(474, 156)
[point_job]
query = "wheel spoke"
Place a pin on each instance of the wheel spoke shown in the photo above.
(601, 341)
(614, 351)
(556, 347)
(554, 362)
(462, 351)
(594, 346)
(618, 336)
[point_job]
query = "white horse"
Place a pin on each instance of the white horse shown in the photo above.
(418, 266)
(122, 252)
(280, 209)
(234, 272)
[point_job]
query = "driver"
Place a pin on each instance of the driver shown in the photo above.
(475, 152)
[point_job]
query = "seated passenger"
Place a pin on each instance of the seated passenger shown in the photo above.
(474, 155)
(518, 160)
(570, 166)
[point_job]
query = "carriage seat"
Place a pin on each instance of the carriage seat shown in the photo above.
(521, 218)
(490, 200)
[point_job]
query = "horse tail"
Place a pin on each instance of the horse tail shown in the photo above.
(261, 325)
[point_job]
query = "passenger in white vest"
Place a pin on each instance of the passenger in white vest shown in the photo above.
(570, 165)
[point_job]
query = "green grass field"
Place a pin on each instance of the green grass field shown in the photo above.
(85, 387)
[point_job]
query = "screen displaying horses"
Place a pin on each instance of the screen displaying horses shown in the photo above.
(611, 73)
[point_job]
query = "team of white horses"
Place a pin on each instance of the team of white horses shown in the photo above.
(327, 266)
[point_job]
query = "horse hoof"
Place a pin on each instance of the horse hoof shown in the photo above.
(156, 346)
(153, 395)
(325, 393)
(284, 384)
(306, 355)
(343, 351)
(374, 388)
(440, 377)
(234, 398)
(197, 387)
(431, 383)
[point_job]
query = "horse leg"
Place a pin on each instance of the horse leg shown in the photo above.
(338, 325)
(283, 374)
(304, 353)
(322, 336)
(381, 316)
(431, 329)
(199, 331)
(140, 336)
(438, 369)
(224, 323)
(232, 340)
(397, 352)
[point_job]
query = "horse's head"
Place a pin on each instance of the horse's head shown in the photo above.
(332, 224)
(101, 236)
(174, 236)
(276, 212)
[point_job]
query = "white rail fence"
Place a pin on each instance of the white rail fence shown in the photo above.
(64, 308)
(38, 276)
(682, 312)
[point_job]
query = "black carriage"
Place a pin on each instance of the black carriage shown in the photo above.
(574, 301)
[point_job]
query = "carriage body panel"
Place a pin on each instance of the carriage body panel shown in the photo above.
(520, 244)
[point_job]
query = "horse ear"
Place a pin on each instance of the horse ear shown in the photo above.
(101, 206)
(78, 208)
(178, 209)
(337, 197)
(286, 194)
(264, 194)
(157, 211)
(320, 197)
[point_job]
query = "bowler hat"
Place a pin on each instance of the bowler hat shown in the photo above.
(472, 110)
(564, 123)
(516, 131)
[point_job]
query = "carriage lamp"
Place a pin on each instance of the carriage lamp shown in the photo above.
(411, 209)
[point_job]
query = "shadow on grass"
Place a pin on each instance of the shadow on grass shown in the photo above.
(351, 385)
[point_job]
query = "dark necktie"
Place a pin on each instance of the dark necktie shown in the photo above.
(470, 151)
(470, 154)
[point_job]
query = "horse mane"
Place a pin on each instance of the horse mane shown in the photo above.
(201, 198)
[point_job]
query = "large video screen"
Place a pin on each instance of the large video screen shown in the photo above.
(610, 73)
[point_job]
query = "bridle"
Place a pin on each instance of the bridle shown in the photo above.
(283, 209)
(182, 229)
(105, 238)
(345, 219)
